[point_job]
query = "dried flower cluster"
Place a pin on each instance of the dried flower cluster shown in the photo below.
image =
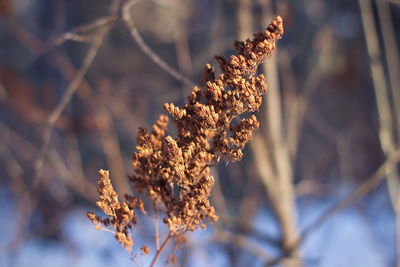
(121, 215)
(176, 171)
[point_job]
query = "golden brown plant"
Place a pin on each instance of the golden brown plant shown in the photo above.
(176, 171)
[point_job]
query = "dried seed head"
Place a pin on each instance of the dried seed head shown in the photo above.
(175, 172)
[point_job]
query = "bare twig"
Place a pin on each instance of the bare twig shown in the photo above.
(366, 187)
(55, 114)
(26, 201)
(70, 36)
(243, 242)
(74, 34)
(387, 129)
(394, 1)
(244, 22)
(157, 231)
(112, 150)
(160, 250)
(76, 184)
(392, 55)
(3, 92)
(393, 67)
(126, 16)
(38, 47)
(378, 76)
(279, 185)
(181, 38)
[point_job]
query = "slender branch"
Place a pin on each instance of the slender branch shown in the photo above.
(157, 232)
(367, 186)
(159, 251)
(394, 1)
(55, 114)
(387, 118)
(392, 55)
(281, 181)
(112, 150)
(243, 242)
(3, 92)
(95, 24)
(76, 34)
(126, 16)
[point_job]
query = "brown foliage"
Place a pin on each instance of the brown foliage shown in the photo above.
(176, 171)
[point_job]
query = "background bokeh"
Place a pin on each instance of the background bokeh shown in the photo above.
(323, 166)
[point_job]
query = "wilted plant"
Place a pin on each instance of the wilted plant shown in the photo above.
(175, 172)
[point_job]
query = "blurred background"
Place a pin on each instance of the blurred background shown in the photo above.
(318, 185)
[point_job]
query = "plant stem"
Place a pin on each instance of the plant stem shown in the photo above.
(163, 245)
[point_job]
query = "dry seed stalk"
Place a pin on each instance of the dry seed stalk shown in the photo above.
(176, 171)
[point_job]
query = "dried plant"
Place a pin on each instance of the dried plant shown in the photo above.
(175, 172)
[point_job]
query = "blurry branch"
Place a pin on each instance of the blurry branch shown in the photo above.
(26, 200)
(382, 93)
(181, 38)
(112, 151)
(217, 44)
(272, 184)
(126, 16)
(286, 113)
(58, 61)
(392, 55)
(24, 36)
(3, 92)
(245, 27)
(63, 65)
(6, 132)
(76, 34)
(248, 230)
(72, 87)
(243, 242)
(378, 76)
(320, 125)
(217, 36)
(295, 105)
(12, 167)
(226, 219)
(244, 16)
(102, 27)
(362, 190)
(345, 156)
(100, 22)
(78, 184)
(15, 171)
(273, 166)
(219, 201)
(73, 157)
(70, 36)
(277, 174)
(237, 223)
(365, 188)
(249, 205)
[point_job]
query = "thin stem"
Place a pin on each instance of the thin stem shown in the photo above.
(369, 184)
(126, 16)
(55, 114)
(163, 245)
(157, 237)
(362, 190)
(76, 34)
